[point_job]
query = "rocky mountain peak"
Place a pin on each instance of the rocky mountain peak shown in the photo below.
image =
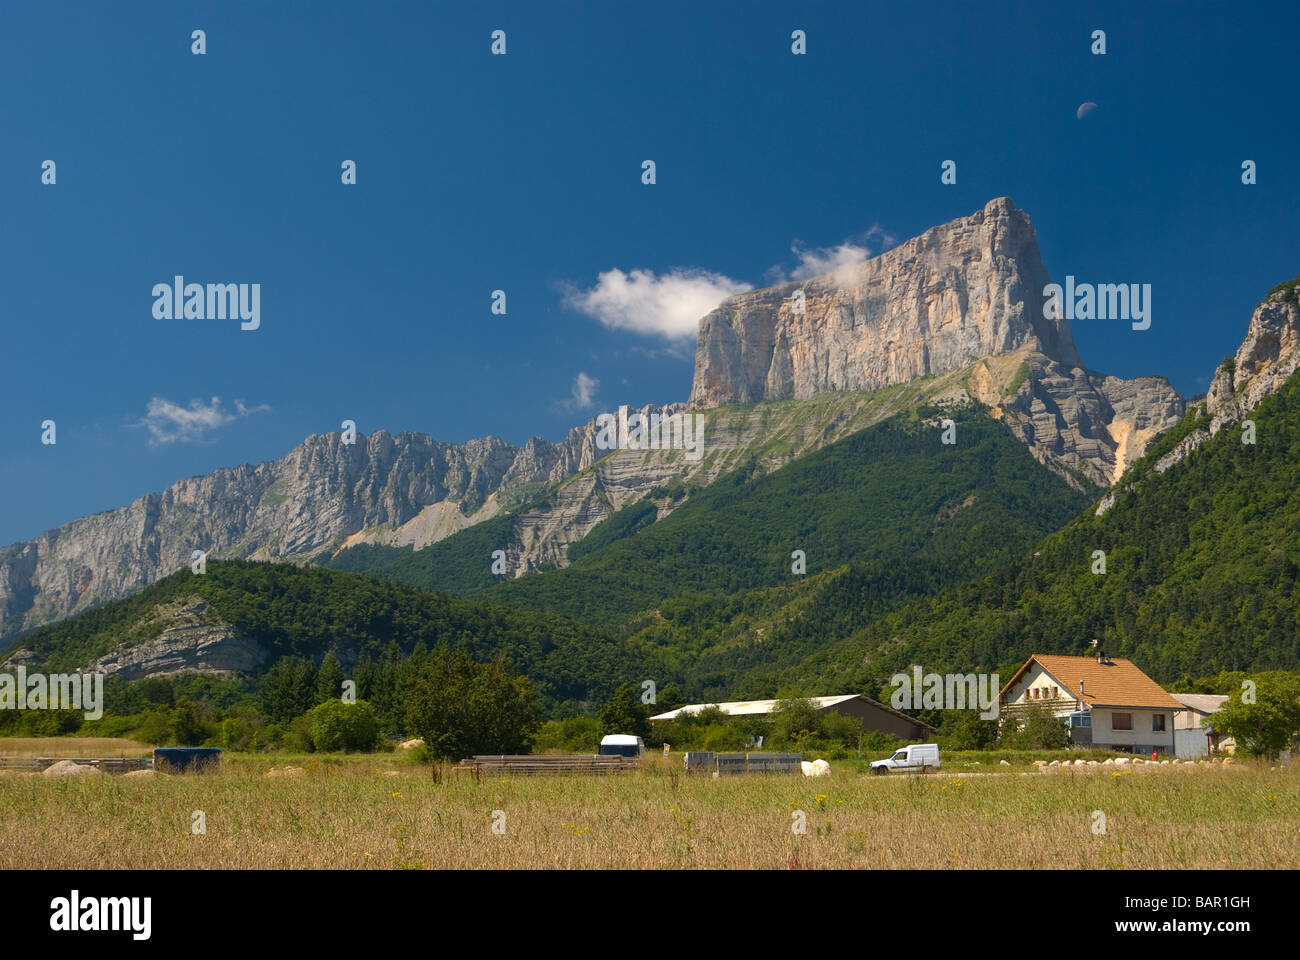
(959, 292)
(1266, 358)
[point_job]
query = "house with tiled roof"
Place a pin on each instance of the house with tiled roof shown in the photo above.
(1108, 702)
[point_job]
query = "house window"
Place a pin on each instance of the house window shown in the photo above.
(1158, 722)
(1033, 694)
(1055, 692)
(1121, 721)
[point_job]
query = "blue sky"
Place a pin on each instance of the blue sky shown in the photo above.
(523, 173)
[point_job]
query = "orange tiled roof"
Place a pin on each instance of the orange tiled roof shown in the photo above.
(1117, 684)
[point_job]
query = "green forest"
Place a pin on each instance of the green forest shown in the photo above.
(309, 612)
(1201, 569)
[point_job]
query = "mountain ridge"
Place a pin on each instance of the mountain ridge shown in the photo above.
(971, 286)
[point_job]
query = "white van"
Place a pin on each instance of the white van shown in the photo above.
(622, 745)
(922, 757)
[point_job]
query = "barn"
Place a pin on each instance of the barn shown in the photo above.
(873, 715)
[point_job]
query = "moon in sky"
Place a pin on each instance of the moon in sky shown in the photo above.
(1085, 109)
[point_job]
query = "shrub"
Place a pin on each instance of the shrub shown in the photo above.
(1267, 725)
(874, 741)
(335, 725)
(801, 727)
(185, 725)
(720, 737)
(109, 726)
(297, 736)
(966, 730)
(460, 708)
(155, 727)
(1037, 728)
(625, 713)
(419, 754)
(49, 723)
(571, 735)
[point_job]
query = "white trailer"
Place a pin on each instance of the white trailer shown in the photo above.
(622, 745)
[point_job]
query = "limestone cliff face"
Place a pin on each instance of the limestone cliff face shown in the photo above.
(1087, 422)
(959, 292)
(192, 638)
(1266, 358)
(402, 489)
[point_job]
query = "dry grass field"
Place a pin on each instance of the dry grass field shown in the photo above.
(72, 747)
(381, 812)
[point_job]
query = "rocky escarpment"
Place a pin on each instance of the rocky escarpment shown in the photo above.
(192, 638)
(768, 435)
(958, 294)
(1266, 358)
(304, 505)
(1078, 420)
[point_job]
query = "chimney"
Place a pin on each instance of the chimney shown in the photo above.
(1080, 689)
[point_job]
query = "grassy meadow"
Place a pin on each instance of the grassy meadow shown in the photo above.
(383, 812)
(73, 747)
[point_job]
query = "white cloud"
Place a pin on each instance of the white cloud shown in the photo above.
(839, 260)
(169, 422)
(669, 305)
(584, 391)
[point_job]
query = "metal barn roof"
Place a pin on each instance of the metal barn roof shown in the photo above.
(1201, 702)
(742, 708)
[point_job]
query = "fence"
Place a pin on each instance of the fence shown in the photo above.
(733, 764)
(533, 765)
(103, 764)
